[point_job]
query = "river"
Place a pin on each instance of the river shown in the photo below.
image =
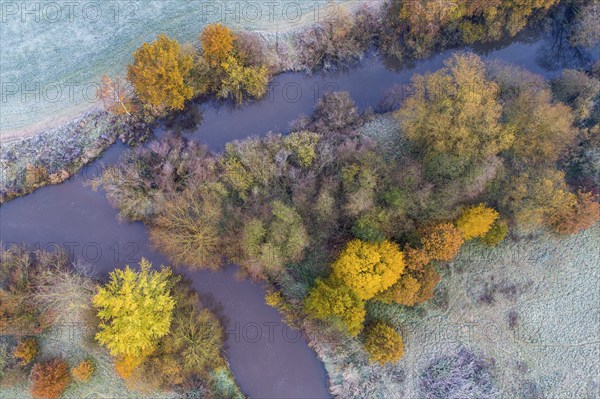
(267, 359)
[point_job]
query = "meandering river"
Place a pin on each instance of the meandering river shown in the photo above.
(267, 359)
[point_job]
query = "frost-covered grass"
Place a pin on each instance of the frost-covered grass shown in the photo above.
(529, 309)
(53, 55)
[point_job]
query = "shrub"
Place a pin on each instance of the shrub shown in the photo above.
(336, 112)
(49, 379)
(217, 43)
(428, 279)
(496, 233)
(462, 376)
(442, 242)
(250, 48)
(84, 370)
(158, 73)
(383, 344)
(26, 351)
(330, 300)
(368, 268)
(404, 292)
(125, 365)
(368, 228)
(241, 81)
(475, 221)
(135, 309)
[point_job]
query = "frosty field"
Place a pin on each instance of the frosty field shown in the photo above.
(54, 53)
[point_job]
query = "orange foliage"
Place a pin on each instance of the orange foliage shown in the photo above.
(217, 44)
(84, 370)
(158, 73)
(581, 215)
(49, 379)
(428, 279)
(442, 242)
(415, 259)
(125, 365)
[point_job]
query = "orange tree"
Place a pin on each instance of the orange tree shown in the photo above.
(217, 44)
(368, 268)
(49, 379)
(158, 74)
(442, 242)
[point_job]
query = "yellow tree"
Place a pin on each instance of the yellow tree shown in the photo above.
(330, 300)
(384, 344)
(135, 310)
(476, 221)
(158, 74)
(217, 44)
(240, 80)
(368, 268)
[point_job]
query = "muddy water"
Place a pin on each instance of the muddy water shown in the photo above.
(268, 359)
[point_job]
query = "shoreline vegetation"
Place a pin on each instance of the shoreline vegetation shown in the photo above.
(335, 43)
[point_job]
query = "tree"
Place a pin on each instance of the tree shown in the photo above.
(415, 259)
(115, 96)
(496, 233)
(584, 28)
(475, 221)
(241, 81)
(158, 74)
(442, 242)
(84, 370)
(49, 379)
(579, 215)
(543, 129)
(330, 300)
(283, 240)
(135, 310)
(404, 292)
(383, 344)
(217, 43)
(26, 350)
(187, 229)
(456, 111)
(368, 268)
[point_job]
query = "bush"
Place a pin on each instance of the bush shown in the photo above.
(335, 112)
(475, 221)
(463, 376)
(26, 351)
(383, 344)
(442, 242)
(332, 301)
(368, 268)
(496, 233)
(84, 370)
(49, 379)
(403, 292)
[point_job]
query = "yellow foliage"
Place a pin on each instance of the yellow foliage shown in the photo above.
(384, 344)
(26, 350)
(369, 268)
(135, 309)
(475, 221)
(158, 74)
(330, 300)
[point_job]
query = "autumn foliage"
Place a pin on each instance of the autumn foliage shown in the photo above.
(158, 74)
(115, 96)
(49, 379)
(582, 213)
(217, 43)
(442, 242)
(84, 370)
(330, 300)
(475, 221)
(26, 350)
(368, 268)
(135, 309)
(383, 344)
